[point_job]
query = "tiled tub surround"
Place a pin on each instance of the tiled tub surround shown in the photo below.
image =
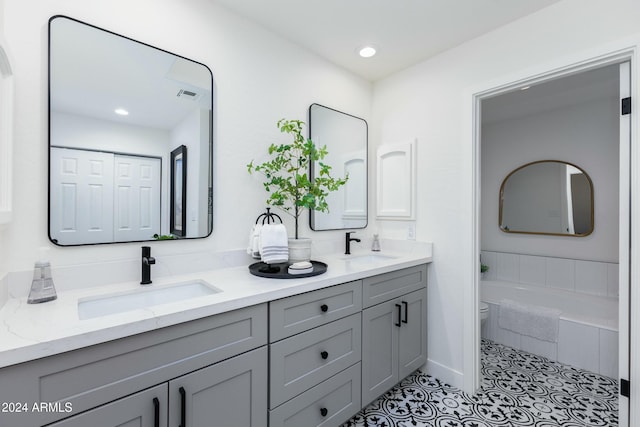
(588, 325)
(581, 276)
(30, 332)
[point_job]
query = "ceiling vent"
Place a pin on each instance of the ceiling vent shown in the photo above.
(187, 94)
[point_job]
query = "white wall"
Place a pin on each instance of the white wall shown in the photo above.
(258, 79)
(4, 246)
(585, 135)
(192, 132)
(431, 101)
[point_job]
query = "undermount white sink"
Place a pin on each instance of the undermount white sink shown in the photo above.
(145, 296)
(368, 258)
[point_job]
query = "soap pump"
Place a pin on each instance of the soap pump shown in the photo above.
(42, 288)
(375, 246)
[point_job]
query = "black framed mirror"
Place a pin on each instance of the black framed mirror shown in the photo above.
(117, 110)
(549, 197)
(346, 139)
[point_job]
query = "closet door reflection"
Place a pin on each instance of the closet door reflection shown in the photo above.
(101, 197)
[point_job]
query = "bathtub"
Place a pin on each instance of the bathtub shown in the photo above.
(587, 330)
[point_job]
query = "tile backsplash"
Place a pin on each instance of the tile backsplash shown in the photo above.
(589, 277)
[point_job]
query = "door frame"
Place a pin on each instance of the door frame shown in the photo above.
(612, 54)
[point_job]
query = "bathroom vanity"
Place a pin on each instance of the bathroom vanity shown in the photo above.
(271, 353)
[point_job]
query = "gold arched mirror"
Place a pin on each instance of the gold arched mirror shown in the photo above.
(547, 197)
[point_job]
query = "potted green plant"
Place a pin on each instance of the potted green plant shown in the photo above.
(288, 184)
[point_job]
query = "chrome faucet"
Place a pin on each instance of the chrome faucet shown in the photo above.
(147, 262)
(347, 242)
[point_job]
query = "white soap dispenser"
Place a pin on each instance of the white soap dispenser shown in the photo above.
(42, 288)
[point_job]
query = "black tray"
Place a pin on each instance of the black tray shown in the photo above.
(280, 271)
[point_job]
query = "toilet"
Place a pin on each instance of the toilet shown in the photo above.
(484, 312)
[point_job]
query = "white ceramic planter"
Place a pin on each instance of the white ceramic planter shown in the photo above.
(299, 249)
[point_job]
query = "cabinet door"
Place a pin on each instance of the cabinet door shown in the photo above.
(379, 349)
(229, 393)
(145, 409)
(413, 333)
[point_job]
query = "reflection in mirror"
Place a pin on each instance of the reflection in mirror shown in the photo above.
(547, 197)
(117, 109)
(345, 137)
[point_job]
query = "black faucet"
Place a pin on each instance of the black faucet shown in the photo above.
(347, 242)
(147, 261)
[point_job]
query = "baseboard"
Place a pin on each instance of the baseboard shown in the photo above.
(445, 374)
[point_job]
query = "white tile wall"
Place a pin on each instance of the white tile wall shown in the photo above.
(532, 270)
(609, 353)
(490, 259)
(578, 345)
(561, 273)
(508, 267)
(539, 347)
(591, 277)
(613, 281)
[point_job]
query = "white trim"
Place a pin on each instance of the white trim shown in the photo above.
(623, 243)
(444, 373)
(6, 134)
(406, 209)
(611, 54)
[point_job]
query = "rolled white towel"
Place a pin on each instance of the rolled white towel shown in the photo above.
(274, 244)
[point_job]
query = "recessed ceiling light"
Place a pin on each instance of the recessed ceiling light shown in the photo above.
(367, 51)
(121, 112)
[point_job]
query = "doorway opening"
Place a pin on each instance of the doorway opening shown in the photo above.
(571, 116)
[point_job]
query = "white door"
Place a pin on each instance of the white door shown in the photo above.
(136, 198)
(624, 261)
(81, 196)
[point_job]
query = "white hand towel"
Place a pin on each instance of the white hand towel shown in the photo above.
(274, 244)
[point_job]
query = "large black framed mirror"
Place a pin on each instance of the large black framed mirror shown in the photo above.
(118, 108)
(549, 197)
(346, 139)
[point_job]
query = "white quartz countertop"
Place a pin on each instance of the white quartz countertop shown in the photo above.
(33, 331)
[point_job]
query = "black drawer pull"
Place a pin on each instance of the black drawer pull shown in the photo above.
(183, 407)
(156, 412)
(324, 308)
(406, 312)
(324, 412)
(399, 307)
(324, 355)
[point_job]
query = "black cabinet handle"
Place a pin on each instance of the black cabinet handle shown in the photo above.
(399, 307)
(183, 407)
(156, 412)
(324, 355)
(406, 312)
(324, 308)
(324, 412)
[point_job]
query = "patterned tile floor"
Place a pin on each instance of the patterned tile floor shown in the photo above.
(518, 389)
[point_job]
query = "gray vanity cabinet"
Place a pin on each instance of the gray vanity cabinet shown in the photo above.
(315, 353)
(394, 332)
(145, 409)
(103, 375)
(229, 393)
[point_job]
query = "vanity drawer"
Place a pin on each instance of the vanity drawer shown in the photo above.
(105, 372)
(330, 403)
(388, 286)
(292, 315)
(305, 360)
